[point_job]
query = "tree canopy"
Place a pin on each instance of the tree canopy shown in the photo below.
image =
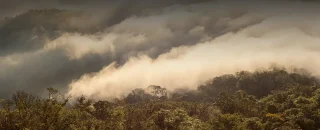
(265, 99)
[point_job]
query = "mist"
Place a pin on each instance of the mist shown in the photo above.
(266, 37)
(176, 45)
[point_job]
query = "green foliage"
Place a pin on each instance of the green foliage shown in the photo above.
(176, 119)
(259, 83)
(267, 99)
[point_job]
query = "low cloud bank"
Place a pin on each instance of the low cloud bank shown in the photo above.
(175, 45)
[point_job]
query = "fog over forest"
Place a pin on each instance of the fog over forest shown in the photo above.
(159, 65)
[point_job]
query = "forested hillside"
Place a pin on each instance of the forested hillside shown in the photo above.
(265, 99)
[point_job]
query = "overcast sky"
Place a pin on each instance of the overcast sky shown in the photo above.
(174, 44)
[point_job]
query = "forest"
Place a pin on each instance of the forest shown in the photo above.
(268, 99)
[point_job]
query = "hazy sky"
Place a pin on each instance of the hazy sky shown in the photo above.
(174, 44)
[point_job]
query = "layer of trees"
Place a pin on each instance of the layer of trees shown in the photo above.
(265, 99)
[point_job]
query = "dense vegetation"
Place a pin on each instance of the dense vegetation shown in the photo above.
(265, 99)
